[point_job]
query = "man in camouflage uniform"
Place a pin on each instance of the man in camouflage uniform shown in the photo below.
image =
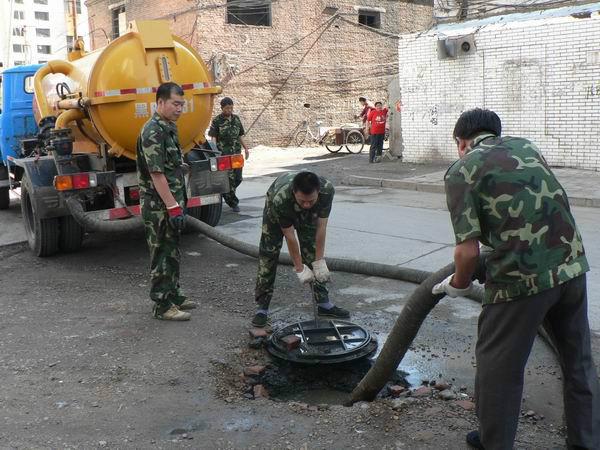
(163, 199)
(502, 193)
(227, 132)
(300, 202)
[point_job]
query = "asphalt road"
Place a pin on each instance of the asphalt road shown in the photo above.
(85, 366)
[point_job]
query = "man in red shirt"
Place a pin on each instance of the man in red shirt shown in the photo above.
(376, 128)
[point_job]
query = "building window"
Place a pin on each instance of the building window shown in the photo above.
(40, 2)
(69, 43)
(119, 24)
(18, 48)
(18, 31)
(19, 15)
(45, 49)
(19, 63)
(369, 18)
(41, 61)
(257, 13)
(42, 15)
(19, 2)
(42, 32)
(69, 6)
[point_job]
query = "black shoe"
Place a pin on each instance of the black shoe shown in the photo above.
(474, 441)
(235, 208)
(338, 313)
(260, 320)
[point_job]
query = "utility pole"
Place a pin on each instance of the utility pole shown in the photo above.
(463, 10)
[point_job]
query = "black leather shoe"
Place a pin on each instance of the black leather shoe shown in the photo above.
(474, 441)
(338, 313)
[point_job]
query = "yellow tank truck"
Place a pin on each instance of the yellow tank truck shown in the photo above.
(78, 173)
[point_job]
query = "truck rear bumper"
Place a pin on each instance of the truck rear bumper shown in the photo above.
(135, 210)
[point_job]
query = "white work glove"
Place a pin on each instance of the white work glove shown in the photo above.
(306, 276)
(446, 288)
(321, 271)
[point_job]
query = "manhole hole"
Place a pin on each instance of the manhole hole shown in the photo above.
(323, 342)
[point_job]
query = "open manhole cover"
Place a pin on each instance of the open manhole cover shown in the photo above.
(322, 342)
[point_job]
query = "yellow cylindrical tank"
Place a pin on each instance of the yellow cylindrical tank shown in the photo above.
(115, 89)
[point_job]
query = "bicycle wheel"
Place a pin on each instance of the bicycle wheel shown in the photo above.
(300, 138)
(333, 148)
(355, 141)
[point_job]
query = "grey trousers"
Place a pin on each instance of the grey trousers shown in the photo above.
(506, 333)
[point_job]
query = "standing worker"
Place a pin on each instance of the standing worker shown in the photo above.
(163, 199)
(297, 202)
(376, 120)
(502, 193)
(227, 131)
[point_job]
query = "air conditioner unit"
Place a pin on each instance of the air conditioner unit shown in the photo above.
(453, 47)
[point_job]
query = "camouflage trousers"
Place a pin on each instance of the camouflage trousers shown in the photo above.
(163, 243)
(235, 179)
(271, 240)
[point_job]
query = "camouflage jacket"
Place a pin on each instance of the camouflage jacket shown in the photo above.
(228, 132)
(282, 208)
(158, 150)
(504, 194)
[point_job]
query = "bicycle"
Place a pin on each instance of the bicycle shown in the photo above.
(354, 140)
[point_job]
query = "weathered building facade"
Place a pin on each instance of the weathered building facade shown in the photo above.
(280, 54)
(537, 70)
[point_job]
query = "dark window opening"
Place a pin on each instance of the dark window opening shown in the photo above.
(41, 15)
(69, 6)
(249, 12)
(369, 18)
(42, 32)
(45, 49)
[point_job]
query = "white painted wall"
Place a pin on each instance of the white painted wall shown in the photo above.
(540, 74)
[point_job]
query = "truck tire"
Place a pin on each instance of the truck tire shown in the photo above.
(4, 192)
(209, 214)
(4, 198)
(71, 234)
(42, 234)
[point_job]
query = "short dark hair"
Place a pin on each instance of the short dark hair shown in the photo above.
(362, 99)
(226, 101)
(165, 91)
(378, 103)
(476, 121)
(306, 182)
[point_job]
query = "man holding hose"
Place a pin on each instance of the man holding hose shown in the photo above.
(297, 208)
(502, 193)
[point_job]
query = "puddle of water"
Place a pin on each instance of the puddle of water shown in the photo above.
(317, 397)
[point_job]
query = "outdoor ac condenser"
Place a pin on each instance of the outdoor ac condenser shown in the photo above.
(455, 46)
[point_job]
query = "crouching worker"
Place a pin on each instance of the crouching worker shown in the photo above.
(297, 203)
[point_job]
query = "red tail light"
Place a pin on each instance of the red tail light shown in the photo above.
(224, 163)
(80, 181)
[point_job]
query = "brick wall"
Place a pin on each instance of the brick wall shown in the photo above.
(540, 76)
(349, 60)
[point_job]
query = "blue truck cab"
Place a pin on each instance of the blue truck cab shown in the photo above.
(16, 119)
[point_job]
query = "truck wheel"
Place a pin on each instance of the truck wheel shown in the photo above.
(209, 214)
(4, 198)
(4, 192)
(71, 234)
(42, 234)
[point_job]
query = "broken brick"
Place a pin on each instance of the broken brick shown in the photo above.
(466, 404)
(260, 391)
(396, 390)
(291, 342)
(423, 391)
(258, 332)
(254, 371)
